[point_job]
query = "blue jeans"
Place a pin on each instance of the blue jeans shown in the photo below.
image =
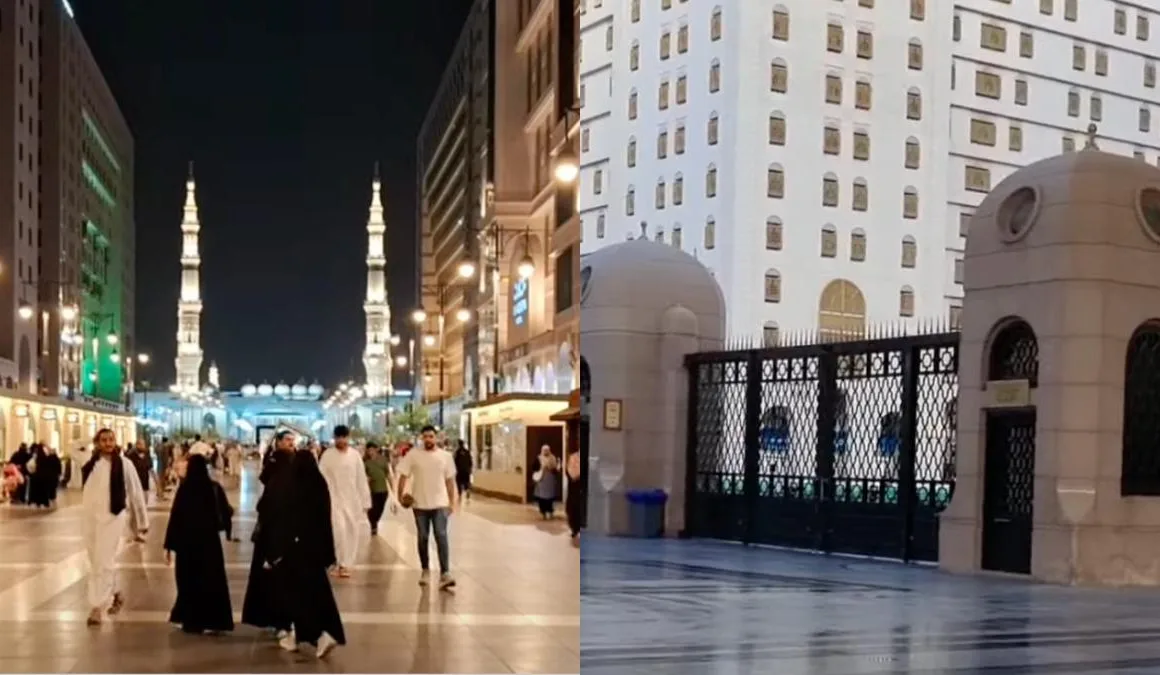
(424, 520)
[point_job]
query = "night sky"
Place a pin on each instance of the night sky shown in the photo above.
(284, 106)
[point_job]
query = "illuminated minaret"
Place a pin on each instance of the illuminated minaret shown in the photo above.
(189, 352)
(377, 355)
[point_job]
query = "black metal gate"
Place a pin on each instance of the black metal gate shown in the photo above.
(843, 447)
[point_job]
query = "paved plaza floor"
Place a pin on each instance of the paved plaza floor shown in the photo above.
(685, 607)
(515, 609)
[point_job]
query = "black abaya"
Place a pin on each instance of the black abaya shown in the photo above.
(264, 606)
(302, 549)
(203, 593)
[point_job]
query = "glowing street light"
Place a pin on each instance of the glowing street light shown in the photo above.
(115, 357)
(401, 361)
(567, 168)
(25, 311)
(466, 269)
(395, 340)
(418, 316)
(463, 315)
(429, 340)
(68, 312)
(527, 267)
(112, 338)
(143, 359)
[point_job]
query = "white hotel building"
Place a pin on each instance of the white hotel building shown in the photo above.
(823, 157)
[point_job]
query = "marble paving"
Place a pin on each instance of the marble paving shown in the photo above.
(516, 607)
(693, 607)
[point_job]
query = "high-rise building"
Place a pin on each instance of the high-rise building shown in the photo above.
(189, 352)
(85, 280)
(377, 352)
(800, 149)
(20, 91)
(455, 166)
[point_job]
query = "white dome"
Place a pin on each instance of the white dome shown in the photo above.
(249, 390)
(281, 390)
(265, 389)
(298, 390)
(316, 389)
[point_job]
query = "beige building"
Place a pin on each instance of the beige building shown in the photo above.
(20, 50)
(530, 249)
(85, 306)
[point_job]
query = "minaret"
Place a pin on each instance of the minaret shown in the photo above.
(377, 354)
(214, 376)
(189, 352)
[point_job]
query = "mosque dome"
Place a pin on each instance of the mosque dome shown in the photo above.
(265, 389)
(281, 389)
(298, 390)
(249, 389)
(316, 390)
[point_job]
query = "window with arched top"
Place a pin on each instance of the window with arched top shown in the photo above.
(711, 182)
(913, 157)
(634, 12)
(770, 334)
(630, 201)
(772, 286)
(634, 56)
(777, 128)
(630, 152)
(659, 197)
(676, 238)
(858, 245)
(863, 94)
(660, 235)
(775, 181)
(632, 105)
(779, 76)
(712, 129)
(830, 190)
(829, 241)
(780, 23)
(1140, 472)
(773, 233)
(906, 301)
(841, 311)
(914, 54)
(909, 252)
(710, 238)
(600, 224)
(678, 190)
(914, 104)
(835, 37)
(714, 76)
(910, 203)
(715, 24)
(861, 198)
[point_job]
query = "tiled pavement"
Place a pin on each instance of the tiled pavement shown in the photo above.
(679, 607)
(516, 607)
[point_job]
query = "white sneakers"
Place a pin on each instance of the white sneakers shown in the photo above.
(288, 641)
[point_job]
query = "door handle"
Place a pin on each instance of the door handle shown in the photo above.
(1002, 520)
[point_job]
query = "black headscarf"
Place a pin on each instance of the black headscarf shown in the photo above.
(294, 511)
(117, 497)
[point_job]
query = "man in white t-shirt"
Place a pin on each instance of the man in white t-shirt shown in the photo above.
(427, 477)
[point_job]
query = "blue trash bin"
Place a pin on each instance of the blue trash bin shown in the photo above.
(646, 513)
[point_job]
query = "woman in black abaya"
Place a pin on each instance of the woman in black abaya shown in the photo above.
(263, 607)
(203, 593)
(300, 553)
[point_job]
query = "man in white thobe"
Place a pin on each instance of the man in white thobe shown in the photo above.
(108, 518)
(350, 498)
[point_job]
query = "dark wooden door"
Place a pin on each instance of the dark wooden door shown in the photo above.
(1009, 491)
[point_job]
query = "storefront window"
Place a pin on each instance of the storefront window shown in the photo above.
(500, 447)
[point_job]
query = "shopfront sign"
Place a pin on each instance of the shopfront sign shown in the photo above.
(520, 302)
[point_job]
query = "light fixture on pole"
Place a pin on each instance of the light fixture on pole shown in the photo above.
(25, 311)
(466, 269)
(418, 316)
(429, 340)
(527, 266)
(115, 357)
(68, 312)
(463, 315)
(112, 338)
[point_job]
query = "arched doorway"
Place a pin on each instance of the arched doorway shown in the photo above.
(1009, 471)
(841, 312)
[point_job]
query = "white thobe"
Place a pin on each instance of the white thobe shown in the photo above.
(105, 533)
(350, 497)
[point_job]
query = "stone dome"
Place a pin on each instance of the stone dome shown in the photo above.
(638, 276)
(249, 389)
(315, 389)
(1088, 197)
(298, 390)
(265, 389)
(281, 389)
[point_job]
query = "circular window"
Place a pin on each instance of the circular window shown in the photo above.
(1150, 212)
(1018, 213)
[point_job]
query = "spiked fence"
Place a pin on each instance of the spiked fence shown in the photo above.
(830, 442)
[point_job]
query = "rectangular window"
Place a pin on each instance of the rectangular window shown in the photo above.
(862, 95)
(831, 141)
(1015, 138)
(1078, 57)
(834, 89)
(977, 179)
(993, 37)
(982, 132)
(834, 38)
(1021, 92)
(865, 45)
(861, 145)
(1026, 45)
(988, 85)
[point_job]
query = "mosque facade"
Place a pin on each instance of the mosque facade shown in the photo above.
(192, 405)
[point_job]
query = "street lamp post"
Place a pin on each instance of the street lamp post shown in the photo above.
(465, 270)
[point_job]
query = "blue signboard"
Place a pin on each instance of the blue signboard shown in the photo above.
(520, 302)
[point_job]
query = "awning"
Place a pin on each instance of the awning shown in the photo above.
(572, 412)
